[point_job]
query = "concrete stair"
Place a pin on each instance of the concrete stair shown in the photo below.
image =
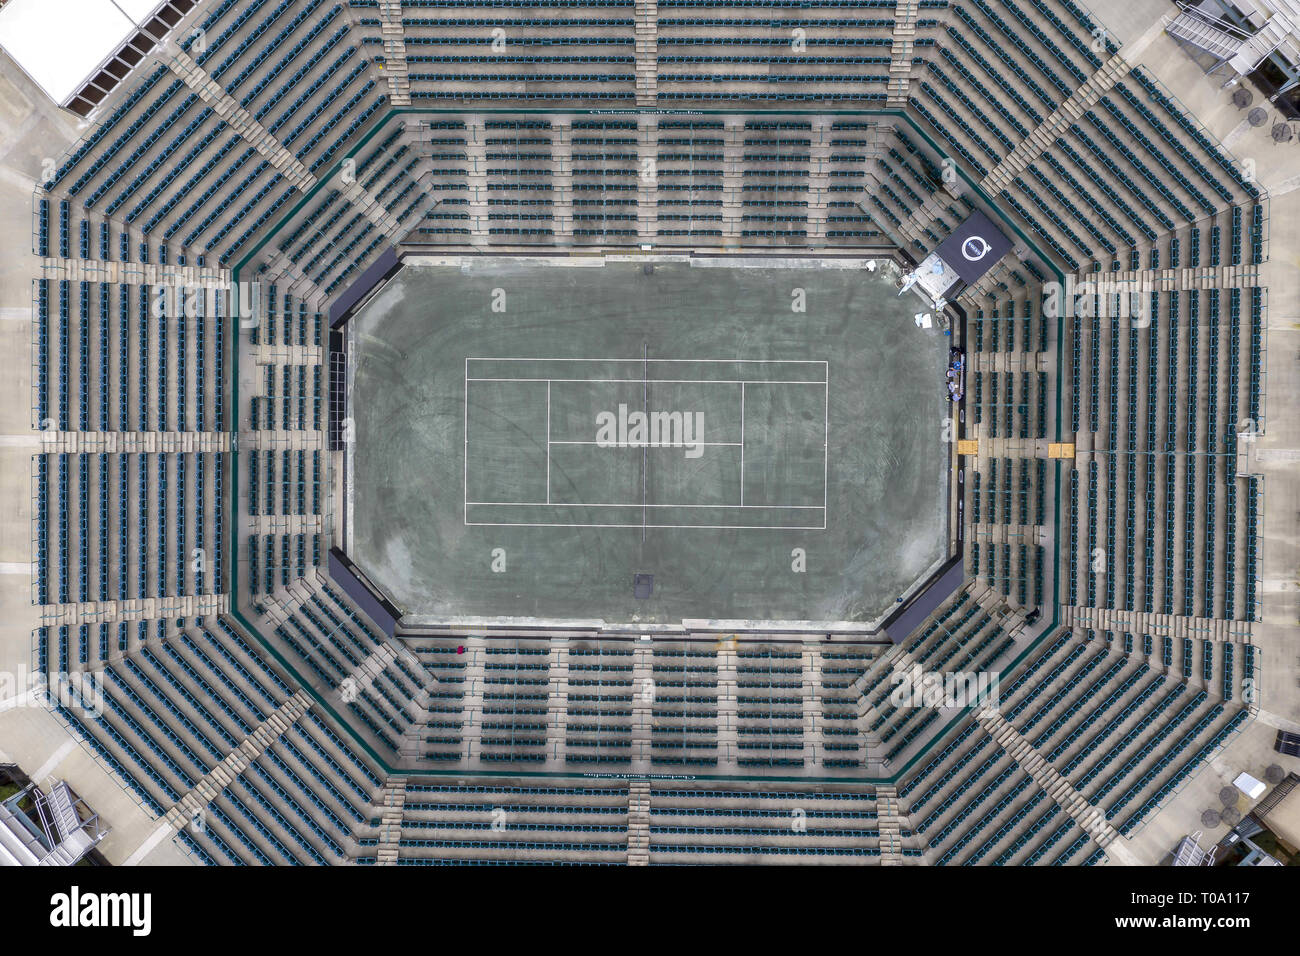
(557, 702)
(238, 118)
(638, 823)
(733, 154)
(812, 706)
(134, 273)
(139, 609)
(1145, 281)
(728, 722)
(472, 703)
(562, 180)
(643, 697)
(391, 804)
(1173, 626)
(647, 53)
(1090, 818)
(365, 202)
(192, 805)
(476, 179)
(1042, 137)
(394, 35)
(819, 181)
(900, 62)
(299, 285)
(131, 443)
(647, 190)
(279, 439)
(890, 821)
(362, 676)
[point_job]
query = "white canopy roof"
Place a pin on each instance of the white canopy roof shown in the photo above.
(61, 44)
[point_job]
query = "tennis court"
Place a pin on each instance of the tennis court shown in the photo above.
(533, 435)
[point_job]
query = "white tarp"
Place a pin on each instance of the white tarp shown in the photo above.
(61, 44)
(1249, 786)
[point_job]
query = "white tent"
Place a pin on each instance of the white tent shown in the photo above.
(61, 44)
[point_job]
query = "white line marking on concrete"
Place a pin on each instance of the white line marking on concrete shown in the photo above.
(601, 361)
(548, 443)
(145, 848)
(1237, 132)
(824, 381)
(679, 444)
(1277, 454)
(637, 524)
(1285, 186)
(55, 759)
(1135, 48)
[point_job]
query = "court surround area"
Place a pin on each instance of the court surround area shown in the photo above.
(531, 436)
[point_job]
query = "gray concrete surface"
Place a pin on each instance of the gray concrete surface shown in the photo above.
(887, 480)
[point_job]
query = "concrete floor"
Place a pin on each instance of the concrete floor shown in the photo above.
(886, 469)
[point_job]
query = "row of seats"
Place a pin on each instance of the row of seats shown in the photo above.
(96, 558)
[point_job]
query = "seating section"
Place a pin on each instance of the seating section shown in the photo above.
(128, 525)
(177, 700)
(1173, 527)
(186, 183)
(1117, 717)
(486, 825)
(694, 825)
(561, 704)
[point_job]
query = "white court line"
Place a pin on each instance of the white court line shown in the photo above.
(635, 504)
(699, 527)
(677, 361)
(464, 488)
(661, 381)
(548, 443)
(703, 444)
(826, 449)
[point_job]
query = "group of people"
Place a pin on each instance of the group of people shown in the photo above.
(956, 374)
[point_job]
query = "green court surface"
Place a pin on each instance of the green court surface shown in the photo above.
(529, 436)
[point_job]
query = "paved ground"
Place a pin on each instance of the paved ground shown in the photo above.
(721, 527)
